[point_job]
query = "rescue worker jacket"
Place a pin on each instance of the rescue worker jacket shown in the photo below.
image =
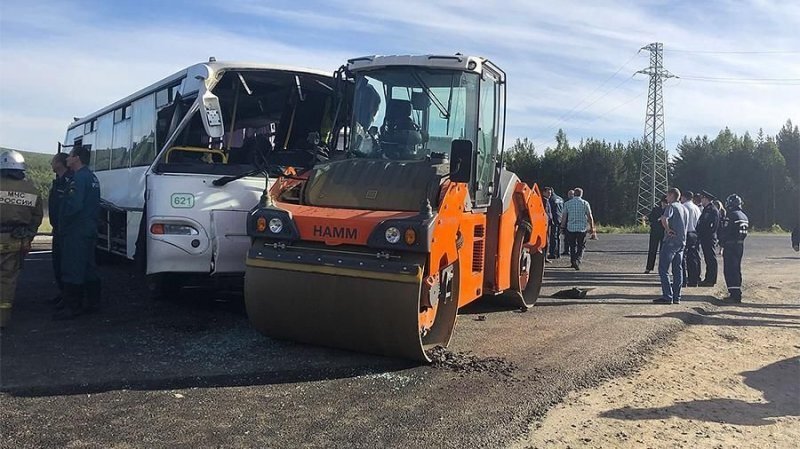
(708, 224)
(80, 206)
(20, 208)
(58, 190)
(734, 227)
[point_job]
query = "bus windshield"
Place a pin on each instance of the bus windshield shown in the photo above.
(407, 113)
(269, 117)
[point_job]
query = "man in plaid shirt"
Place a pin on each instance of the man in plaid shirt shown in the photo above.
(575, 221)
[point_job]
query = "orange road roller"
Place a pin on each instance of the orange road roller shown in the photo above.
(409, 216)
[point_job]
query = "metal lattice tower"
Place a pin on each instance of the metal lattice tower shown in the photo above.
(653, 177)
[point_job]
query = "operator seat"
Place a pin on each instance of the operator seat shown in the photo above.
(399, 134)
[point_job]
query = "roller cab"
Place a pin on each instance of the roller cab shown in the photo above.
(376, 249)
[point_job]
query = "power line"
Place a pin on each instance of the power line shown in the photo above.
(561, 119)
(747, 81)
(736, 52)
(717, 78)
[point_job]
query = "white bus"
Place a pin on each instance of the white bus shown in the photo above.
(182, 162)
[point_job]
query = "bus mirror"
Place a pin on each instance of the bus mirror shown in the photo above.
(461, 161)
(211, 113)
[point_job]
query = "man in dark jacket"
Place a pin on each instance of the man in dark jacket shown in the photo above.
(57, 191)
(731, 235)
(656, 234)
(556, 205)
(707, 227)
(78, 235)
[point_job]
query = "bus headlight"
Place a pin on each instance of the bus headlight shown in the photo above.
(275, 225)
(172, 229)
(392, 235)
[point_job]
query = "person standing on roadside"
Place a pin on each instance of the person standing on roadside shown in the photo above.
(674, 221)
(576, 220)
(57, 191)
(731, 236)
(656, 234)
(78, 236)
(691, 254)
(707, 227)
(20, 216)
(556, 205)
(565, 252)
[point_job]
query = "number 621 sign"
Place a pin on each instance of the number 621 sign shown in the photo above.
(182, 200)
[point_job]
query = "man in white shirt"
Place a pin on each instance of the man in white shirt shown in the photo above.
(691, 256)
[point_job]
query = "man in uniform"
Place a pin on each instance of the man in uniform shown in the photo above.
(556, 204)
(707, 227)
(20, 217)
(57, 191)
(78, 235)
(731, 236)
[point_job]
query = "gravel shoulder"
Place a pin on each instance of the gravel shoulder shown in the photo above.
(730, 380)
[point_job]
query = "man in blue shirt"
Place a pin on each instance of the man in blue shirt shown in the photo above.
(576, 220)
(674, 220)
(78, 235)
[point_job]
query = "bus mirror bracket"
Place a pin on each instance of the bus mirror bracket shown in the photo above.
(211, 113)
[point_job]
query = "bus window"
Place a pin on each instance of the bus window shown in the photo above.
(143, 124)
(102, 143)
(121, 143)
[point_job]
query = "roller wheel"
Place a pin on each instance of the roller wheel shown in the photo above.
(527, 269)
(437, 323)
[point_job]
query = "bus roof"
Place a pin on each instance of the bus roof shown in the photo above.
(204, 69)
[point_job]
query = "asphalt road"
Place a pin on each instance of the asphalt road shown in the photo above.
(192, 373)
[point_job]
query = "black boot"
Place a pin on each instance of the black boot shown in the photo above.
(72, 298)
(91, 303)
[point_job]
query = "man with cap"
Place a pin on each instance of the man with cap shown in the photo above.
(707, 227)
(77, 236)
(732, 233)
(20, 216)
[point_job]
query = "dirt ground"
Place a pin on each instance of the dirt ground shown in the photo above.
(191, 372)
(730, 381)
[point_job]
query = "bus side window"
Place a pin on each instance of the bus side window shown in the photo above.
(143, 131)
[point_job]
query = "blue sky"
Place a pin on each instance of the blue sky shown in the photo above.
(569, 63)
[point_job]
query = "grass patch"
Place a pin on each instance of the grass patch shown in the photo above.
(624, 229)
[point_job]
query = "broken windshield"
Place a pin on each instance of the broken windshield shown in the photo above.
(408, 113)
(269, 117)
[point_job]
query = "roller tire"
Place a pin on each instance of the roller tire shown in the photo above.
(526, 288)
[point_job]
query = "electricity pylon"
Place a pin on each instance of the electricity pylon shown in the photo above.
(653, 171)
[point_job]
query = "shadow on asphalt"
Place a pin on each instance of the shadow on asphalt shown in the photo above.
(201, 339)
(700, 316)
(772, 380)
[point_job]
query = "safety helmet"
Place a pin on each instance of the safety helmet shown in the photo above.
(12, 160)
(733, 201)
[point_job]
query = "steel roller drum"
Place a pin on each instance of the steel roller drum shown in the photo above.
(363, 311)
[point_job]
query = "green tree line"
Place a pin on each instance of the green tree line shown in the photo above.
(764, 171)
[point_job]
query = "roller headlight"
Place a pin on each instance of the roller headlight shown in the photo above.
(275, 225)
(392, 235)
